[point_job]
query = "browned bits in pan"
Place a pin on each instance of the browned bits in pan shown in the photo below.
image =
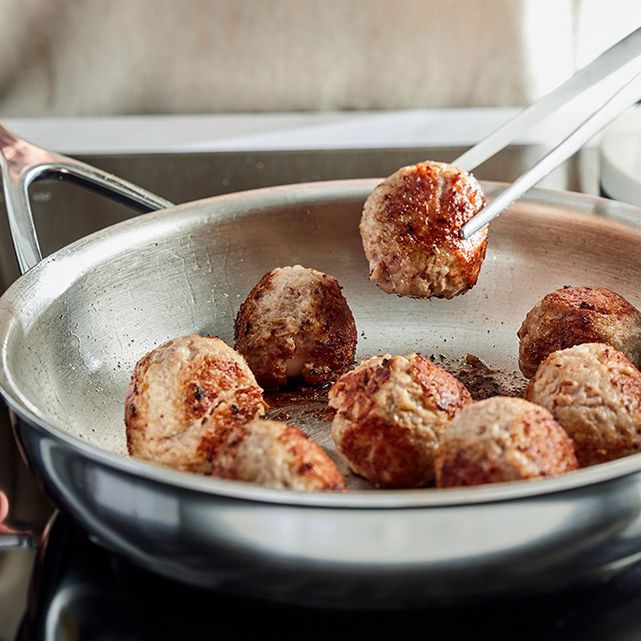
(296, 325)
(411, 226)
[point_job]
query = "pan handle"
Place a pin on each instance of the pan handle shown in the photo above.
(14, 537)
(22, 163)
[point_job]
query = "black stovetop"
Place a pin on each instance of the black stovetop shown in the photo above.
(80, 591)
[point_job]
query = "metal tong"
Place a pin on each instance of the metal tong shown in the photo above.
(626, 53)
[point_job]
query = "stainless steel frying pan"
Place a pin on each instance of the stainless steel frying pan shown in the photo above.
(72, 327)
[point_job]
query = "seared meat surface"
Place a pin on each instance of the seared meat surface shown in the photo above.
(390, 413)
(275, 455)
(411, 226)
(594, 392)
(574, 315)
(502, 439)
(181, 393)
(296, 324)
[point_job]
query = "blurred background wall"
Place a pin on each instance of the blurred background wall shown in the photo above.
(97, 57)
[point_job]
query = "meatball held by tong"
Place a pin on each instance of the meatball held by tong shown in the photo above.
(411, 231)
(390, 414)
(502, 439)
(181, 393)
(574, 315)
(296, 324)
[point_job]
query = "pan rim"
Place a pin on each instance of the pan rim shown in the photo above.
(615, 211)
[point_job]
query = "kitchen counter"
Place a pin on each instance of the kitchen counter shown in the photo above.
(284, 131)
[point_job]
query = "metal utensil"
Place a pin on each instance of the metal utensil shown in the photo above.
(619, 55)
(22, 164)
(626, 53)
(72, 327)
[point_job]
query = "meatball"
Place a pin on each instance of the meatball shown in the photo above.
(574, 315)
(276, 455)
(594, 392)
(296, 323)
(390, 413)
(411, 231)
(502, 439)
(181, 393)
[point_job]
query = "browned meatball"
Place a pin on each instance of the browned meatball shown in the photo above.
(390, 413)
(502, 439)
(574, 315)
(275, 455)
(296, 323)
(411, 231)
(594, 392)
(181, 393)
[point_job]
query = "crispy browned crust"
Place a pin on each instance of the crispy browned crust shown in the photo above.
(211, 391)
(202, 385)
(509, 446)
(390, 441)
(574, 315)
(273, 454)
(601, 412)
(375, 445)
(442, 391)
(313, 322)
(411, 228)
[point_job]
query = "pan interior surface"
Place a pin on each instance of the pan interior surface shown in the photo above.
(74, 327)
